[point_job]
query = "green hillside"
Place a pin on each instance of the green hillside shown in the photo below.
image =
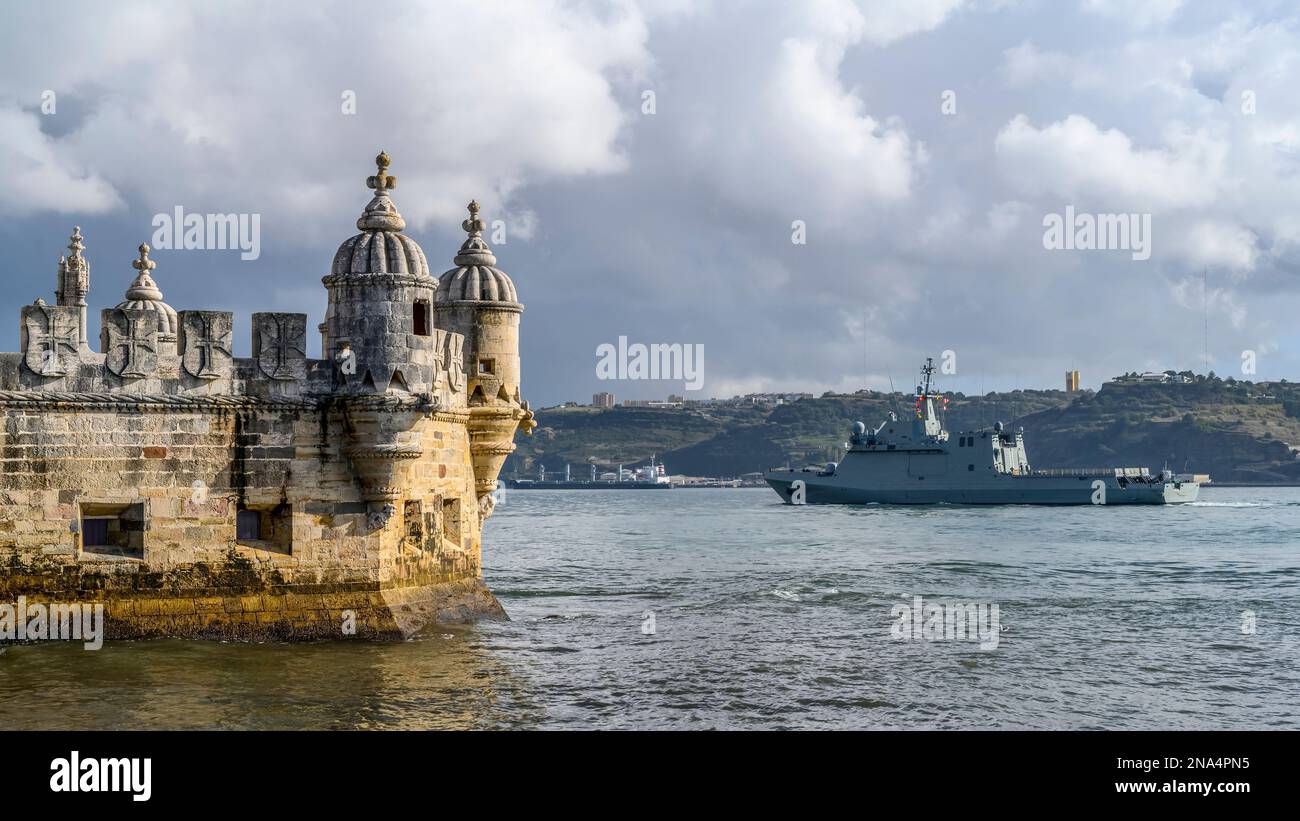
(1235, 431)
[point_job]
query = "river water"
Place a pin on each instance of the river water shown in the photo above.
(765, 615)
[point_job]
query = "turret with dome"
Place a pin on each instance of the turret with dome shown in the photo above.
(478, 300)
(378, 322)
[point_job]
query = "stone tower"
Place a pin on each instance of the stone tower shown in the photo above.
(477, 300)
(74, 281)
(378, 325)
(201, 494)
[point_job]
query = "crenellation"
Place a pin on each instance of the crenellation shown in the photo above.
(205, 345)
(198, 493)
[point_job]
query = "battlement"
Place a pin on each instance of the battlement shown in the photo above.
(135, 360)
(147, 348)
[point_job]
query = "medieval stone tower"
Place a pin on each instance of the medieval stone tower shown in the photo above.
(196, 493)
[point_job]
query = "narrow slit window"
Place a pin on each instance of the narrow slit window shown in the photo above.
(421, 318)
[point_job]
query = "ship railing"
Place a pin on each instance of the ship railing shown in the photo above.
(820, 471)
(1075, 472)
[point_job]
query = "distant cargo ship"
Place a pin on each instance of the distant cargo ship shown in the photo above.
(920, 464)
(534, 484)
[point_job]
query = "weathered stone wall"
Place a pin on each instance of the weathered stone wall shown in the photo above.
(191, 467)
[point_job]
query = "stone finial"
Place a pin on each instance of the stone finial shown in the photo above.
(474, 250)
(75, 245)
(474, 226)
(143, 288)
(74, 272)
(381, 214)
(77, 263)
(382, 181)
(144, 264)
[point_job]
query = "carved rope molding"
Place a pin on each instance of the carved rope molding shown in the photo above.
(58, 400)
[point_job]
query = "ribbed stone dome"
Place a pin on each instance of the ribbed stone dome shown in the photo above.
(380, 252)
(475, 277)
(144, 295)
(381, 247)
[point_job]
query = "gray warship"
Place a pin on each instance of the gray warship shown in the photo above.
(919, 463)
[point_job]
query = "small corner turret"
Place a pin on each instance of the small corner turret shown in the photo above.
(478, 301)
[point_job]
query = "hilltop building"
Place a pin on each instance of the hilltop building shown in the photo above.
(1154, 378)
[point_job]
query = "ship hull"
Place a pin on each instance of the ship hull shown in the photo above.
(999, 490)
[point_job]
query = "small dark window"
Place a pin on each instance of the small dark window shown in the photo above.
(95, 532)
(487, 366)
(970, 467)
(248, 525)
(421, 318)
(266, 528)
(112, 529)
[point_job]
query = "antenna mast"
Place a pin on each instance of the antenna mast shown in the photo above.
(1205, 303)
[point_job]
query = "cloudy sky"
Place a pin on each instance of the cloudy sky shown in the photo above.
(920, 142)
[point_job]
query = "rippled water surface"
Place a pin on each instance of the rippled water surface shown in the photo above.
(770, 616)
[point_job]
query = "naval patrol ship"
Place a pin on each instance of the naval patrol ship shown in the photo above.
(919, 463)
